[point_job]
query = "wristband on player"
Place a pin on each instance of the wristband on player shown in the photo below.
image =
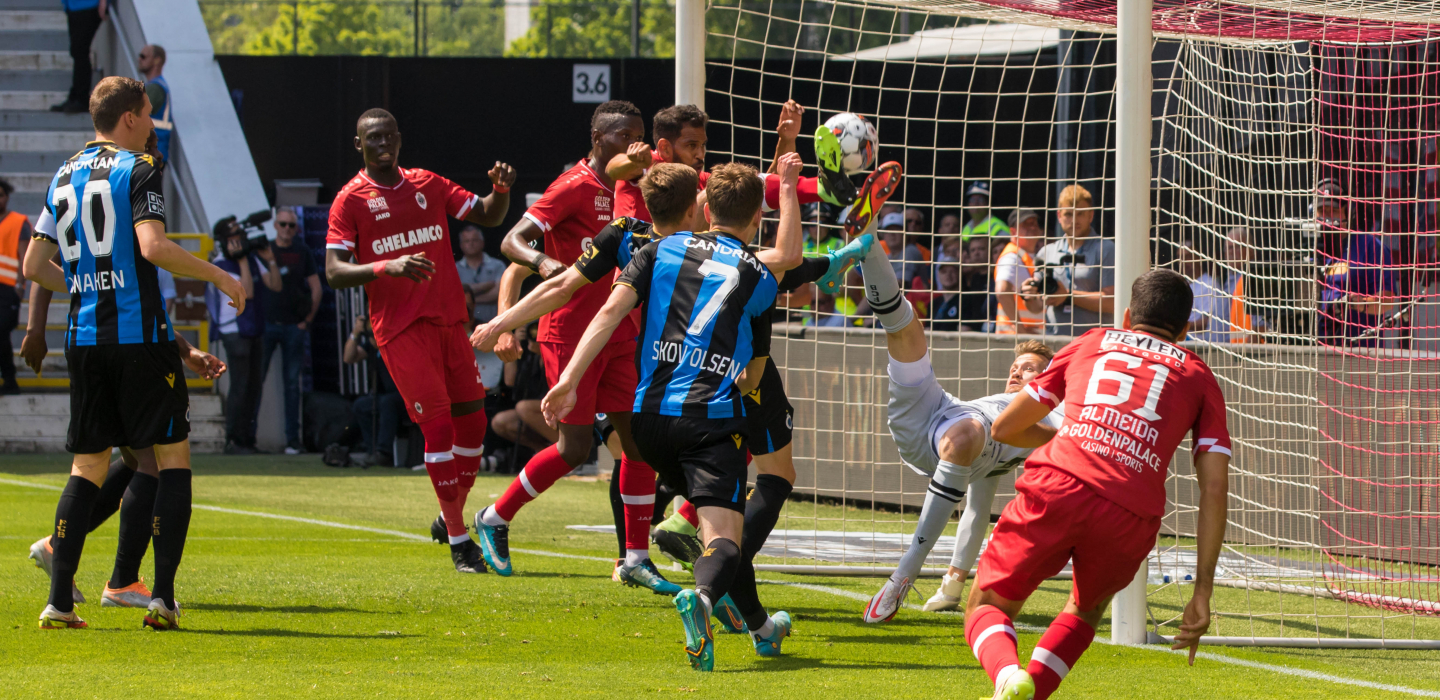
(378, 268)
(540, 260)
(501, 189)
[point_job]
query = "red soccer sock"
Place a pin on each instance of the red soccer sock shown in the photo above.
(440, 465)
(637, 490)
(469, 430)
(539, 474)
(991, 636)
(687, 511)
(1066, 639)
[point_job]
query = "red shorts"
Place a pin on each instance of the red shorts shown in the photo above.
(608, 386)
(433, 367)
(1055, 518)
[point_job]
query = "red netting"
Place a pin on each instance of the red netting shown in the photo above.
(1207, 18)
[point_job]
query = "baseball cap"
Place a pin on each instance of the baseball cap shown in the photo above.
(1329, 193)
(894, 218)
(978, 187)
(1020, 215)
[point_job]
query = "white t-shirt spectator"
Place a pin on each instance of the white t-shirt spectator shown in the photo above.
(1207, 305)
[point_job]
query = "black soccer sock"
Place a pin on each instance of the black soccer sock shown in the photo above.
(72, 523)
(617, 508)
(747, 597)
(762, 511)
(171, 525)
(110, 493)
(715, 569)
(135, 513)
(663, 497)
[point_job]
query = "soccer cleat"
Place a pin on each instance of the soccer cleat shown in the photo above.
(494, 544)
(135, 595)
(877, 189)
(770, 646)
(52, 619)
(439, 532)
(835, 186)
(681, 548)
(645, 575)
(840, 262)
(41, 553)
(699, 642)
(1016, 685)
(886, 603)
(728, 614)
(615, 573)
(160, 618)
(947, 596)
(468, 559)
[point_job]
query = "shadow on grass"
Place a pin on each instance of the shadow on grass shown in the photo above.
(304, 609)
(215, 465)
(792, 663)
(296, 633)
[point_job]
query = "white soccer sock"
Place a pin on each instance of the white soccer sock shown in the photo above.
(910, 373)
(882, 291)
(705, 600)
(944, 494)
(491, 518)
(635, 557)
(458, 539)
(765, 630)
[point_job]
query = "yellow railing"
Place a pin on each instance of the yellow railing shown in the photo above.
(201, 247)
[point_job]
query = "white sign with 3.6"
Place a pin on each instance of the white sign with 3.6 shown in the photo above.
(590, 82)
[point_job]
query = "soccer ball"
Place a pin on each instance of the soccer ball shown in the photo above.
(858, 141)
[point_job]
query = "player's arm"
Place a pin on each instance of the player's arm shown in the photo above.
(33, 346)
(40, 266)
(561, 398)
(165, 253)
(760, 330)
(1212, 471)
(505, 346)
(550, 295)
(631, 164)
(788, 131)
(341, 273)
(490, 210)
(516, 247)
(1019, 425)
(789, 241)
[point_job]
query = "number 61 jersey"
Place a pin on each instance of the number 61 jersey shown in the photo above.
(97, 198)
(1130, 398)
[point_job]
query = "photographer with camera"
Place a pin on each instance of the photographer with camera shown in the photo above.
(241, 334)
(1075, 280)
(291, 298)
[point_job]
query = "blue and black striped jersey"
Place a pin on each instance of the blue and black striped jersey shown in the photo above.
(706, 314)
(614, 247)
(97, 198)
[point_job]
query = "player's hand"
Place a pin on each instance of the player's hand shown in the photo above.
(204, 364)
(549, 267)
(1194, 623)
(789, 127)
(416, 268)
(230, 287)
(502, 174)
(33, 349)
(484, 337)
(558, 403)
(788, 167)
(507, 349)
(639, 153)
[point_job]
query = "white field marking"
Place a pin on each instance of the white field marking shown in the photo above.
(1301, 673)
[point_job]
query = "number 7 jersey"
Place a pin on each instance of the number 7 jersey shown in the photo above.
(1130, 398)
(97, 198)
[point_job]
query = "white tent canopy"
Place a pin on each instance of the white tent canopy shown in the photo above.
(974, 40)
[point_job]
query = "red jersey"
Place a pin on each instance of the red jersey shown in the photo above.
(1130, 398)
(572, 211)
(628, 200)
(375, 222)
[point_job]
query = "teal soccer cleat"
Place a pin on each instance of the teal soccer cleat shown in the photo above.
(645, 575)
(494, 545)
(728, 615)
(699, 642)
(770, 645)
(840, 262)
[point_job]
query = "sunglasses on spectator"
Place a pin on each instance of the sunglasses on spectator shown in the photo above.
(285, 224)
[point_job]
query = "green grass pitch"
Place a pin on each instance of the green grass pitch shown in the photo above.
(287, 608)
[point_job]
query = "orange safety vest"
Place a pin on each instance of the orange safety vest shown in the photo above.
(10, 228)
(1241, 324)
(1032, 323)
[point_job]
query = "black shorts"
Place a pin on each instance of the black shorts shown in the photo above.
(704, 456)
(768, 413)
(126, 396)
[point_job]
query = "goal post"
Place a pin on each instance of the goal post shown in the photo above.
(1202, 131)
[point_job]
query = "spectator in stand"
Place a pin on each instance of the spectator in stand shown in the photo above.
(1357, 288)
(1083, 266)
(152, 62)
(378, 425)
(915, 221)
(293, 297)
(524, 381)
(835, 311)
(910, 265)
(981, 223)
(1234, 319)
(949, 225)
(975, 285)
(479, 272)
(83, 18)
(15, 234)
(1205, 311)
(242, 337)
(819, 240)
(1014, 268)
(945, 316)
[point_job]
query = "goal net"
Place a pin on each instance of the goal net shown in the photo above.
(1318, 315)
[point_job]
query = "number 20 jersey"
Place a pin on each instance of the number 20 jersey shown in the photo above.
(97, 198)
(1130, 398)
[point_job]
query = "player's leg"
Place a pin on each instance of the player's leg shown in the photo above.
(159, 416)
(835, 186)
(125, 588)
(117, 480)
(466, 393)
(470, 422)
(442, 467)
(605, 433)
(974, 521)
(170, 525)
(637, 492)
(72, 524)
